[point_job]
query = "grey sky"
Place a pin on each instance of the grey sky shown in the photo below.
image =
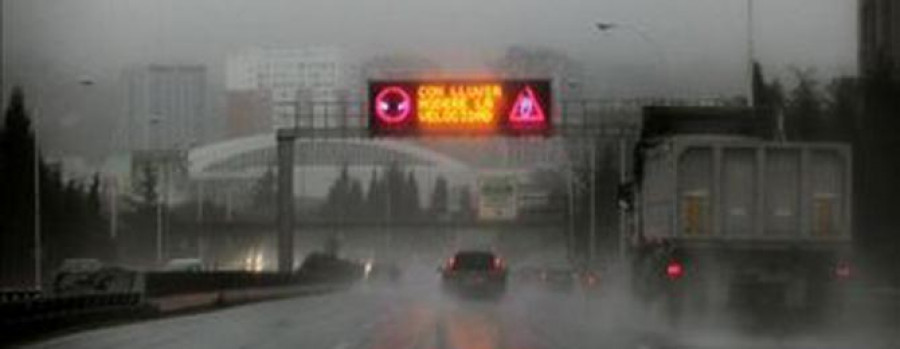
(700, 50)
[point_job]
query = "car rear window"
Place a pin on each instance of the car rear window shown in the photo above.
(474, 261)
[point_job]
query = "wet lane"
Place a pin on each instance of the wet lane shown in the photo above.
(415, 315)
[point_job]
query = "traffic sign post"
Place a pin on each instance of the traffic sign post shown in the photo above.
(454, 108)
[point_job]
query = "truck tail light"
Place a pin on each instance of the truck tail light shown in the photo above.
(674, 270)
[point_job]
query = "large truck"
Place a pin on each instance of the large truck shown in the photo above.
(724, 215)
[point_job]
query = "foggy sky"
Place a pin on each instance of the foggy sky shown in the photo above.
(697, 47)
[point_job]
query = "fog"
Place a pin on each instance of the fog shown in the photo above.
(695, 47)
(70, 57)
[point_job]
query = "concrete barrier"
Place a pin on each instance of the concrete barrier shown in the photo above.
(200, 300)
(81, 302)
(23, 318)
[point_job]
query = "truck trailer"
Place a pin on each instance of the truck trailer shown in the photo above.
(724, 215)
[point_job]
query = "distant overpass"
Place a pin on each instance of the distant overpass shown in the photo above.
(249, 157)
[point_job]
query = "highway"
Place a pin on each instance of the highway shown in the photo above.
(415, 315)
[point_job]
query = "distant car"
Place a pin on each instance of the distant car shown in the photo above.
(76, 275)
(527, 275)
(589, 280)
(80, 265)
(382, 271)
(480, 274)
(89, 276)
(559, 279)
(184, 264)
(328, 267)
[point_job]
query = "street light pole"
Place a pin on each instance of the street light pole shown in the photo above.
(154, 123)
(114, 209)
(159, 224)
(38, 250)
(570, 236)
(623, 145)
(623, 225)
(38, 238)
(751, 94)
(605, 27)
(592, 248)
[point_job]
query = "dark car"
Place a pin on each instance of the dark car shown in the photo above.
(382, 272)
(478, 274)
(327, 267)
(559, 279)
(527, 275)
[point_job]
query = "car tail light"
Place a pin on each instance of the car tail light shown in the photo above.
(498, 263)
(674, 270)
(843, 271)
(451, 264)
(590, 279)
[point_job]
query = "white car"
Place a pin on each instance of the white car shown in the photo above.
(184, 264)
(80, 265)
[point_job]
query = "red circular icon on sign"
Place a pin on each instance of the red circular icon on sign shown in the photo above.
(393, 105)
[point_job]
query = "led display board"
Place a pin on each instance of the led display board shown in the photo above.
(448, 107)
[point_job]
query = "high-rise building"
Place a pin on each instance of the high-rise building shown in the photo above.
(167, 106)
(879, 37)
(286, 79)
(248, 112)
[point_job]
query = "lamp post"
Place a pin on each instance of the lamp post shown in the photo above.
(622, 144)
(155, 120)
(84, 81)
(606, 27)
(38, 250)
(751, 95)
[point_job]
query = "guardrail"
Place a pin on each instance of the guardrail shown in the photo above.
(158, 284)
(7, 296)
(25, 314)
(23, 317)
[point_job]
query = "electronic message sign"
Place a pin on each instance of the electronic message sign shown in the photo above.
(517, 107)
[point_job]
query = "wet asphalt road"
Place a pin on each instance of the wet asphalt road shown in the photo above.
(416, 315)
